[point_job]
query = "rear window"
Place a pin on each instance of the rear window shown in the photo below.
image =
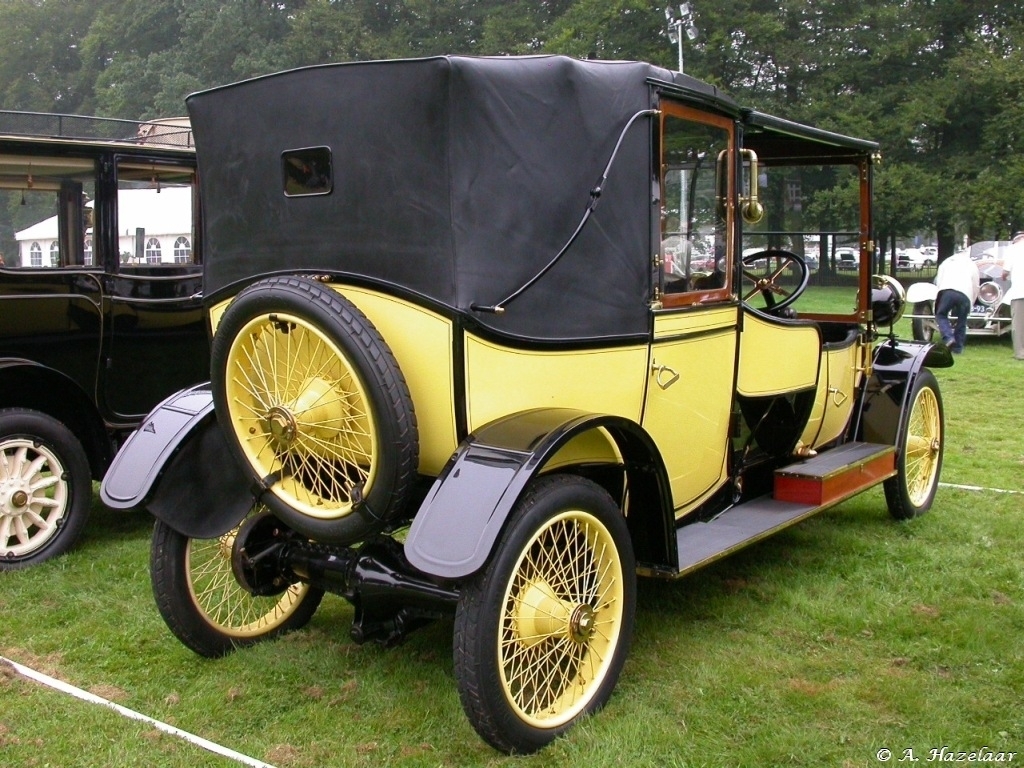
(307, 171)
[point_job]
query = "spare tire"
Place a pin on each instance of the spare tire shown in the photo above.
(315, 408)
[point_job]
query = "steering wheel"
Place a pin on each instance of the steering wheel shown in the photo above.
(766, 279)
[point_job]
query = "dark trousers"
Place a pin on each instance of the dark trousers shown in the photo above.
(950, 303)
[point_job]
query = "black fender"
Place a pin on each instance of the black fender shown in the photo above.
(456, 526)
(896, 365)
(29, 384)
(177, 465)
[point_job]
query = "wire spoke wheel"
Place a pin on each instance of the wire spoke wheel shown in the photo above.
(563, 612)
(922, 445)
(923, 329)
(223, 602)
(316, 408)
(919, 456)
(206, 607)
(301, 414)
(543, 630)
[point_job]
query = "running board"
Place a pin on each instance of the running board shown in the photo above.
(801, 490)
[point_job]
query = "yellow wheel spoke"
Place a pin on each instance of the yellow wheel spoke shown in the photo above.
(300, 414)
(570, 568)
(224, 602)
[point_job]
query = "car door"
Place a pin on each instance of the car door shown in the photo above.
(156, 342)
(692, 365)
(50, 312)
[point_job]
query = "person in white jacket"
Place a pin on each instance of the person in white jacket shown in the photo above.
(957, 281)
(1014, 272)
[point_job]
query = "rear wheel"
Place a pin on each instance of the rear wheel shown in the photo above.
(45, 488)
(203, 603)
(923, 329)
(919, 454)
(316, 408)
(542, 632)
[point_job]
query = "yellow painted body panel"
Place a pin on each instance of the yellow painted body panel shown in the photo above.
(775, 358)
(217, 312)
(689, 399)
(421, 341)
(501, 380)
(833, 404)
(593, 447)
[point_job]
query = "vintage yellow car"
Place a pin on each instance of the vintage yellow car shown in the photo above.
(484, 345)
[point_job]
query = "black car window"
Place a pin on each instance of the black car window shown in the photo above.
(695, 157)
(46, 211)
(307, 171)
(155, 214)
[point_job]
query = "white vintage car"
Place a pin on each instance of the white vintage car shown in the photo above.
(990, 315)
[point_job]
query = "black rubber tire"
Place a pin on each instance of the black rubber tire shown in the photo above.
(40, 522)
(911, 491)
(923, 330)
(561, 520)
(321, 492)
(192, 579)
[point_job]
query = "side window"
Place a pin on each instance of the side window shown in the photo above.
(695, 209)
(155, 205)
(45, 211)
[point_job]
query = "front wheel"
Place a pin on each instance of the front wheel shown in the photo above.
(203, 603)
(542, 632)
(923, 329)
(911, 491)
(45, 488)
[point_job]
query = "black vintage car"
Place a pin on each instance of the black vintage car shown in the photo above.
(100, 309)
(485, 343)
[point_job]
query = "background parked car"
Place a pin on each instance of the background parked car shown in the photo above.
(990, 315)
(847, 258)
(100, 309)
(915, 258)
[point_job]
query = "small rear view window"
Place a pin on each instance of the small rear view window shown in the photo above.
(307, 171)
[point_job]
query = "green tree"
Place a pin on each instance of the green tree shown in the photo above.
(117, 51)
(40, 54)
(938, 83)
(611, 29)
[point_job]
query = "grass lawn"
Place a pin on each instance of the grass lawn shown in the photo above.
(848, 634)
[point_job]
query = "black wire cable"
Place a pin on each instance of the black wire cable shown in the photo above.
(595, 195)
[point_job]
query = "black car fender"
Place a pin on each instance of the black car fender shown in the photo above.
(896, 364)
(457, 524)
(29, 384)
(177, 466)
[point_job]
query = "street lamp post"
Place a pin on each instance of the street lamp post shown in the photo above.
(680, 26)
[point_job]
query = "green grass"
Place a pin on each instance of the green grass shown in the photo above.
(846, 634)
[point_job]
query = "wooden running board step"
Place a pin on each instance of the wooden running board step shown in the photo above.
(801, 490)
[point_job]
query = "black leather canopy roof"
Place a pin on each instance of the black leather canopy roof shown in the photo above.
(457, 180)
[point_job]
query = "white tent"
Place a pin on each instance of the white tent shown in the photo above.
(165, 216)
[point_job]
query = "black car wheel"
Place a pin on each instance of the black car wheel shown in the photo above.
(45, 488)
(542, 632)
(923, 329)
(316, 408)
(919, 454)
(205, 606)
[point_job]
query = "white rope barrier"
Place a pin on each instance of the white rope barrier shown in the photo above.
(978, 488)
(92, 698)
